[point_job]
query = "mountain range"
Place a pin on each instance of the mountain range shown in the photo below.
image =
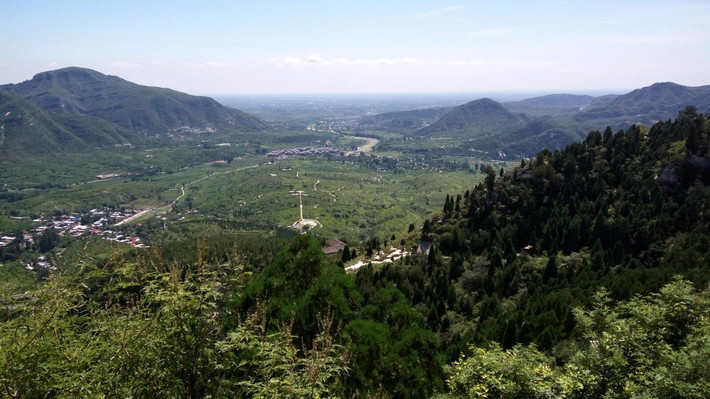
(77, 106)
(521, 128)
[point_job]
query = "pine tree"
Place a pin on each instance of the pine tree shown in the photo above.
(550, 269)
(346, 254)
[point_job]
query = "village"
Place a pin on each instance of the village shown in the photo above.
(304, 151)
(96, 222)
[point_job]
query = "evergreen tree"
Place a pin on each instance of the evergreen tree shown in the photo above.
(550, 269)
(346, 255)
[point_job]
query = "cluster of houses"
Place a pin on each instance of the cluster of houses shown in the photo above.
(304, 151)
(95, 222)
(195, 130)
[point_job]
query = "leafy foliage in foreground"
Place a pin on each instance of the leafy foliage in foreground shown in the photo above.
(388, 343)
(652, 346)
(154, 334)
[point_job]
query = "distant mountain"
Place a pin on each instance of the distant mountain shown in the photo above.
(603, 99)
(404, 121)
(524, 139)
(660, 101)
(557, 100)
(475, 116)
(539, 133)
(149, 111)
(553, 121)
(27, 129)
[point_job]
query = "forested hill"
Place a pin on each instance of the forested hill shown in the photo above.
(141, 109)
(625, 210)
(476, 116)
(646, 105)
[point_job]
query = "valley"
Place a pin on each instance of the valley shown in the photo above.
(414, 237)
(355, 200)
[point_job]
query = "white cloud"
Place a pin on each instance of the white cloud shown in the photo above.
(286, 61)
(315, 59)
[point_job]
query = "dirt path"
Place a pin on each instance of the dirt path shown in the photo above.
(168, 207)
(315, 184)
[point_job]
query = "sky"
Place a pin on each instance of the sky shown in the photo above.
(291, 47)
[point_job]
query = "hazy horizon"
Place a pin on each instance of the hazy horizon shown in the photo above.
(498, 95)
(282, 48)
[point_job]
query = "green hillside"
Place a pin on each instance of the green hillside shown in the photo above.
(557, 100)
(404, 121)
(541, 132)
(479, 116)
(149, 111)
(26, 129)
(658, 102)
(517, 260)
(562, 107)
(485, 125)
(624, 211)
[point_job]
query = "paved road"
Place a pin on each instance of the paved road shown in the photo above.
(367, 147)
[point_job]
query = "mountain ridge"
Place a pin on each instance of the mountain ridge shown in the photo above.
(149, 111)
(647, 105)
(557, 100)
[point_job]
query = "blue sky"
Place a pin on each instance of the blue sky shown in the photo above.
(243, 47)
